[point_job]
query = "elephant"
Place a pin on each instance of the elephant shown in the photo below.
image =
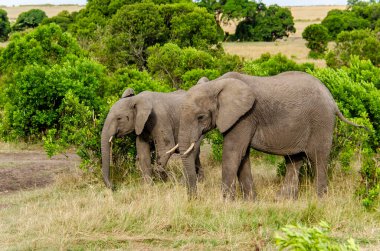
(291, 114)
(153, 116)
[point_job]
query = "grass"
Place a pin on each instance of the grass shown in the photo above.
(78, 214)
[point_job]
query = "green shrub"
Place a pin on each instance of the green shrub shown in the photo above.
(175, 66)
(297, 237)
(5, 26)
(317, 38)
(363, 43)
(29, 19)
(45, 45)
(268, 65)
(337, 21)
(64, 19)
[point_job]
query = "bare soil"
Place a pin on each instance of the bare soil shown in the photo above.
(24, 170)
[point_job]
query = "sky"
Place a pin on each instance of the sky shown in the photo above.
(267, 2)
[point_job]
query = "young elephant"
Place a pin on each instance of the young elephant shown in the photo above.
(153, 117)
(291, 114)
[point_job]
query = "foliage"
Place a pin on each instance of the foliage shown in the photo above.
(363, 43)
(268, 65)
(266, 24)
(29, 19)
(173, 65)
(297, 237)
(357, 97)
(64, 19)
(41, 90)
(196, 29)
(131, 31)
(5, 25)
(136, 27)
(317, 38)
(45, 45)
(360, 15)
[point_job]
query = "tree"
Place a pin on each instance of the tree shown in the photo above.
(46, 45)
(363, 43)
(317, 38)
(29, 19)
(5, 26)
(266, 24)
(337, 21)
(195, 29)
(63, 19)
(131, 31)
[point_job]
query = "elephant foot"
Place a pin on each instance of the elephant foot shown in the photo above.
(148, 180)
(321, 191)
(200, 176)
(251, 196)
(287, 194)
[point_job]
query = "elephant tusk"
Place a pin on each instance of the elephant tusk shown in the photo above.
(172, 150)
(190, 148)
(111, 150)
(110, 140)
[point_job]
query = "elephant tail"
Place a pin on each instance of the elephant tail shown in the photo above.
(341, 117)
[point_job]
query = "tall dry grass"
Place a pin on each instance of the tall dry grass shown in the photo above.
(78, 214)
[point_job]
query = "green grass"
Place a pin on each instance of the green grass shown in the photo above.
(76, 214)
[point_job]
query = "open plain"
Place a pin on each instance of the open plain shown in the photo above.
(51, 204)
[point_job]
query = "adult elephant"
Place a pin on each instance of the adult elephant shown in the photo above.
(153, 117)
(291, 114)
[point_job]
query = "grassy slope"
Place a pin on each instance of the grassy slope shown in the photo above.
(75, 214)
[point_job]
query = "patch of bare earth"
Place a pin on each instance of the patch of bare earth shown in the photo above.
(22, 170)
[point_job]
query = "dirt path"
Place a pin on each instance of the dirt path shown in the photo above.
(21, 170)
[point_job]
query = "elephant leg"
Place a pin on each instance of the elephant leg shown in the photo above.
(245, 178)
(290, 185)
(235, 148)
(143, 153)
(162, 160)
(319, 161)
(198, 165)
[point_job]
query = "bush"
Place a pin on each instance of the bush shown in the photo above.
(45, 45)
(363, 43)
(337, 21)
(171, 64)
(268, 65)
(41, 91)
(5, 26)
(64, 19)
(297, 237)
(29, 19)
(317, 38)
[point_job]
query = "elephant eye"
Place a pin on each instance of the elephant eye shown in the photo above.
(119, 118)
(201, 117)
(127, 118)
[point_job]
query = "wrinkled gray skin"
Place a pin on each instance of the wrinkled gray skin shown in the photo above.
(153, 117)
(291, 114)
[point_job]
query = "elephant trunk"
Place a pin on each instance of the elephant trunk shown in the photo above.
(106, 148)
(188, 161)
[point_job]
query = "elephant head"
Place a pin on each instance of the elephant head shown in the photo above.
(128, 114)
(219, 103)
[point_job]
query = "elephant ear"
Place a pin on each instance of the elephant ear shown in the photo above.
(235, 98)
(129, 92)
(143, 109)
